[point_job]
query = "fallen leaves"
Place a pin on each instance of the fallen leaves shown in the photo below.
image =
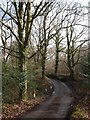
(12, 111)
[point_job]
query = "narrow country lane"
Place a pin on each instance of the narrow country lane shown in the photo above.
(57, 106)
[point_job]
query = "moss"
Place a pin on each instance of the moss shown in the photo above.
(79, 113)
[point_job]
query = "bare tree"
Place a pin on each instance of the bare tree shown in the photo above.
(22, 14)
(46, 31)
(75, 39)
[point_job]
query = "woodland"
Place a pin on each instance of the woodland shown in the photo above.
(40, 40)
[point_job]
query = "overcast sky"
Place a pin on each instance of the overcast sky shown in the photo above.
(84, 2)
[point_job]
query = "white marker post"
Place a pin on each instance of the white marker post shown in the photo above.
(34, 94)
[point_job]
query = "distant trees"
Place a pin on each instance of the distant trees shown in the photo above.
(74, 39)
(68, 23)
(46, 32)
(53, 28)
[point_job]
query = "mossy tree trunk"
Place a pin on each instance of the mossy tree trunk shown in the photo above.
(70, 50)
(44, 50)
(57, 55)
(58, 49)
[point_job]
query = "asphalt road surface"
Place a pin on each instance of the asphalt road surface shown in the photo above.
(57, 106)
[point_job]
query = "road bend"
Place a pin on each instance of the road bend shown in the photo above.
(57, 106)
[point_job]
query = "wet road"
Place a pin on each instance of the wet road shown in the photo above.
(57, 106)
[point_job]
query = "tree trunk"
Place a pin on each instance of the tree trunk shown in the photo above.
(71, 74)
(21, 62)
(45, 44)
(44, 60)
(89, 38)
(4, 60)
(43, 65)
(56, 62)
